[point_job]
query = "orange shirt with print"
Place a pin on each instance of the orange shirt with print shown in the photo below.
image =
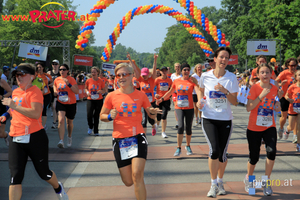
(162, 86)
(128, 122)
(184, 89)
(20, 124)
(62, 88)
(294, 93)
(94, 86)
(267, 103)
(147, 86)
(286, 75)
(104, 80)
(45, 79)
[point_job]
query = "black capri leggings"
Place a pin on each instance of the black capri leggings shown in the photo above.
(254, 143)
(145, 116)
(93, 108)
(47, 101)
(188, 114)
(165, 107)
(217, 134)
(36, 149)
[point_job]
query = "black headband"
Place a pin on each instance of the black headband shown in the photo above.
(25, 69)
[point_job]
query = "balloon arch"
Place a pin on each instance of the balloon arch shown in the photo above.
(192, 10)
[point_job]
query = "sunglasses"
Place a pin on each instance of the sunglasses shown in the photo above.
(62, 69)
(125, 75)
(186, 70)
(54, 63)
(293, 65)
(20, 74)
(210, 61)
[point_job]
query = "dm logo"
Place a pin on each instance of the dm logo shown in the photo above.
(34, 52)
(262, 48)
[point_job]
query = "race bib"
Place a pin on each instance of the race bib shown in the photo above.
(183, 101)
(296, 107)
(22, 139)
(149, 95)
(63, 96)
(163, 86)
(264, 117)
(45, 89)
(110, 87)
(128, 148)
(94, 95)
(217, 100)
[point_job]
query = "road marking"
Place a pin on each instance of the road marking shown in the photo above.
(76, 175)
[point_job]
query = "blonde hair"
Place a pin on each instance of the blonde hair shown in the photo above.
(177, 64)
(295, 76)
(195, 68)
(96, 68)
(125, 65)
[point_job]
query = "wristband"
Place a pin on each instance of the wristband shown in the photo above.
(6, 115)
(162, 99)
(259, 99)
(109, 118)
(69, 85)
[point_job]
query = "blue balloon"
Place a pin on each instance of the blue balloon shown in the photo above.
(84, 45)
(220, 36)
(219, 41)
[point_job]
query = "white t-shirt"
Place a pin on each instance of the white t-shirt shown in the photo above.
(4, 77)
(174, 77)
(217, 104)
(198, 80)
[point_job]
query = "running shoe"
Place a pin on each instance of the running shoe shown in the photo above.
(62, 195)
(177, 152)
(213, 191)
(164, 135)
(197, 121)
(90, 131)
(280, 131)
(221, 189)
(176, 126)
(45, 127)
(298, 147)
(286, 135)
(268, 191)
(51, 114)
(154, 131)
(53, 125)
(7, 139)
(188, 150)
(247, 184)
(96, 134)
(295, 140)
(69, 144)
(61, 144)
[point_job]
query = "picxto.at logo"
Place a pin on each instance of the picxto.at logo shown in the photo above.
(44, 17)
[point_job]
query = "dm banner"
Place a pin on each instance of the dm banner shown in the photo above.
(33, 52)
(267, 48)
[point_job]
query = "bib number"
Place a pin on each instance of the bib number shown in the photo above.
(22, 139)
(217, 100)
(128, 148)
(149, 95)
(264, 117)
(163, 86)
(63, 96)
(94, 95)
(296, 107)
(45, 89)
(182, 101)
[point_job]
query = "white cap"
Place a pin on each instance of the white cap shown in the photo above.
(55, 61)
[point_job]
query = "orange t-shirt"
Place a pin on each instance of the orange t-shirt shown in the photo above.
(147, 86)
(94, 86)
(162, 86)
(45, 79)
(184, 90)
(294, 93)
(64, 94)
(110, 84)
(20, 124)
(169, 75)
(286, 75)
(104, 80)
(263, 109)
(128, 122)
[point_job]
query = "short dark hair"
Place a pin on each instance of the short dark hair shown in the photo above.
(264, 65)
(287, 62)
(222, 49)
(66, 66)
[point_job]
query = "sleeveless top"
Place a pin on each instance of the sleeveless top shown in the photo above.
(54, 76)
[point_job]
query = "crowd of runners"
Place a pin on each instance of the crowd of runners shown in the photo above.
(132, 97)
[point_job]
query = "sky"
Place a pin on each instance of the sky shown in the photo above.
(145, 32)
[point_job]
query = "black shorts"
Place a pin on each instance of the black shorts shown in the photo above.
(2, 111)
(70, 109)
(142, 150)
(195, 98)
(284, 104)
(293, 114)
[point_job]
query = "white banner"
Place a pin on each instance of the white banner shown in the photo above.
(267, 48)
(33, 52)
(108, 68)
